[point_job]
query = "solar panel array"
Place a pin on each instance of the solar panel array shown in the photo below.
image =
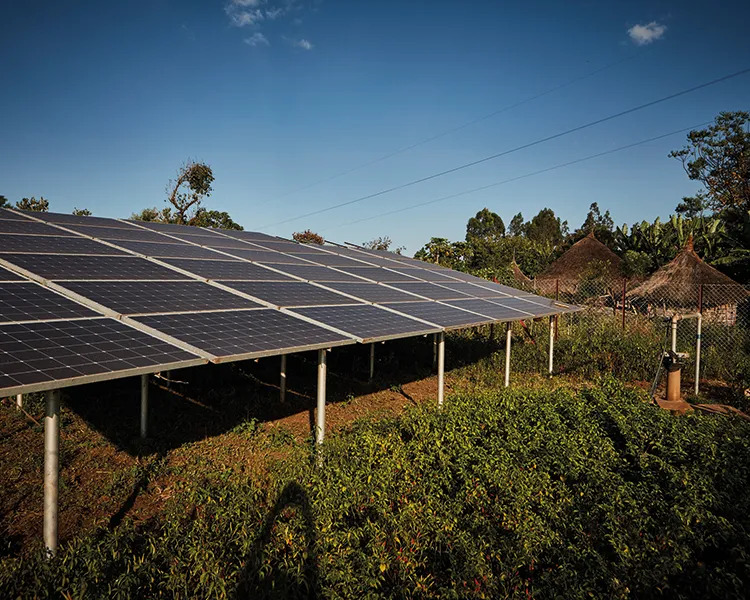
(174, 295)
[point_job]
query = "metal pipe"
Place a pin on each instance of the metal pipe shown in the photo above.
(674, 320)
(624, 291)
(144, 406)
(434, 349)
(698, 354)
(372, 362)
(551, 344)
(320, 422)
(282, 379)
(51, 469)
(441, 367)
(19, 401)
(508, 334)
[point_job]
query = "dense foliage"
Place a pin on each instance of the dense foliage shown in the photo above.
(518, 494)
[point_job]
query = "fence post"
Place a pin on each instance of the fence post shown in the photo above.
(698, 336)
(624, 290)
(557, 299)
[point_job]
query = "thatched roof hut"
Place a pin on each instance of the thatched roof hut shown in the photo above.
(570, 268)
(679, 283)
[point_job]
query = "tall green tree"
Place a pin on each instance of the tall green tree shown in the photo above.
(32, 204)
(545, 228)
(600, 224)
(485, 225)
(517, 226)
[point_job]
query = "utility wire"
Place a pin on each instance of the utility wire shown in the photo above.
(461, 127)
(532, 174)
(517, 148)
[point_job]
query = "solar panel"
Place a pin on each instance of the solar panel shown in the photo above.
(440, 314)
(6, 275)
(70, 352)
(377, 274)
(90, 267)
(266, 256)
(331, 260)
(55, 245)
(195, 235)
(281, 246)
(535, 308)
(372, 292)
(114, 233)
(289, 293)
(222, 242)
(169, 228)
(143, 297)
(313, 272)
(226, 269)
(366, 321)
(428, 290)
(9, 215)
(472, 290)
(63, 219)
(245, 334)
(248, 235)
(490, 309)
(170, 250)
(425, 274)
(32, 302)
(30, 228)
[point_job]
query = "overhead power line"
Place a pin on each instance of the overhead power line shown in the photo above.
(457, 128)
(517, 148)
(532, 174)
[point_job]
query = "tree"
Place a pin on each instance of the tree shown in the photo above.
(692, 206)
(440, 251)
(81, 212)
(486, 225)
(382, 243)
(216, 219)
(33, 204)
(154, 214)
(545, 227)
(517, 226)
(4, 202)
(186, 192)
(719, 157)
(308, 237)
(600, 224)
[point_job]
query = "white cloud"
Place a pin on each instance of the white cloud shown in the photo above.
(257, 39)
(646, 34)
(304, 44)
(243, 18)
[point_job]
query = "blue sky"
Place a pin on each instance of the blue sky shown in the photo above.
(102, 101)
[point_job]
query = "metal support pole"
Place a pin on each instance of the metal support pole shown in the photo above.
(320, 422)
(674, 333)
(19, 401)
(624, 292)
(508, 334)
(551, 344)
(441, 367)
(144, 406)
(372, 362)
(698, 354)
(51, 469)
(282, 379)
(434, 350)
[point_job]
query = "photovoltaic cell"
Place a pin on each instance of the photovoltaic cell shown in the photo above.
(32, 302)
(227, 269)
(9, 215)
(170, 250)
(141, 297)
(425, 274)
(377, 274)
(266, 256)
(167, 227)
(313, 272)
(535, 308)
(33, 353)
(122, 233)
(428, 290)
(54, 245)
(289, 293)
(331, 260)
(489, 309)
(281, 246)
(222, 242)
(472, 290)
(65, 266)
(372, 292)
(366, 321)
(6, 275)
(244, 333)
(250, 236)
(63, 219)
(30, 228)
(440, 314)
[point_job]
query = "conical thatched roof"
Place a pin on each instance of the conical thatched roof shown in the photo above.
(571, 266)
(678, 283)
(519, 276)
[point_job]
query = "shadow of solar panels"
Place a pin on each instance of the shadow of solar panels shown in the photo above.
(30, 228)
(440, 314)
(55, 245)
(289, 293)
(497, 312)
(169, 250)
(66, 353)
(428, 290)
(27, 301)
(113, 234)
(371, 292)
(6, 275)
(69, 267)
(268, 256)
(367, 321)
(377, 274)
(313, 272)
(238, 335)
(143, 297)
(226, 269)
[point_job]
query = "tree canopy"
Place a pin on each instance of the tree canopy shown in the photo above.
(32, 204)
(308, 237)
(486, 225)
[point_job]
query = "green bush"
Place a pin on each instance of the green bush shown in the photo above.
(545, 494)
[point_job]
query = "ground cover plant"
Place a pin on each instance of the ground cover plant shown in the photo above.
(568, 491)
